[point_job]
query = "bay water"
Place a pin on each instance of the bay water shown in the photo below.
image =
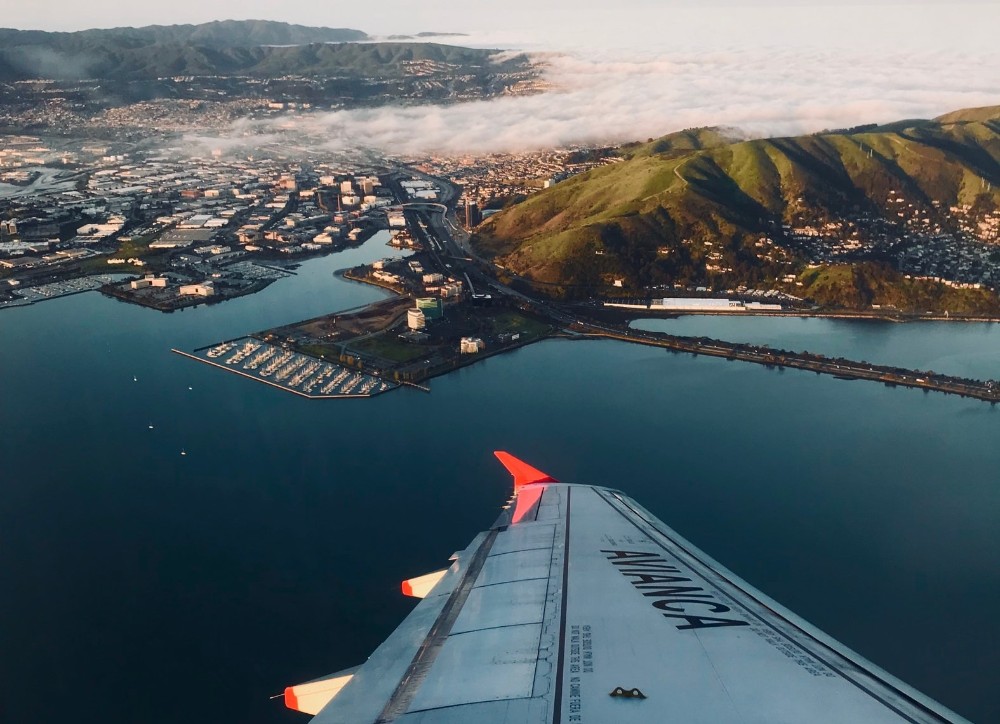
(138, 583)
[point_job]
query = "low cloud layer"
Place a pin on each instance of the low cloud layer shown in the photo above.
(614, 97)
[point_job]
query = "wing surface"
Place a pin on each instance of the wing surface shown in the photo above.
(579, 606)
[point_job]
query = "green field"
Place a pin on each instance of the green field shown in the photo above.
(518, 323)
(390, 347)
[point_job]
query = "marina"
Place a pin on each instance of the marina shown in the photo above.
(54, 290)
(288, 370)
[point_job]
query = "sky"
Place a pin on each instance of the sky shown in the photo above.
(567, 22)
(633, 69)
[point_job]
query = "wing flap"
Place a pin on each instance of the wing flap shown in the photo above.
(421, 586)
(312, 696)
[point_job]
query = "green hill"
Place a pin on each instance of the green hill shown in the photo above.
(680, 143)
(697, 199)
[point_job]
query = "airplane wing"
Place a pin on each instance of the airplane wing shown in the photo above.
(580, 606)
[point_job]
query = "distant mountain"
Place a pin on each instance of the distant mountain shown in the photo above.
(646, 220)
(226, 47)
(221, 33)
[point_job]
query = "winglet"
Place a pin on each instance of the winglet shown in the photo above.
(523, 473)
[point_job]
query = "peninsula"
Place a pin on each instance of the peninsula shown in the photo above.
(449, 307)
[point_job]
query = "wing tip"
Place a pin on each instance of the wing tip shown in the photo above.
(524, 474)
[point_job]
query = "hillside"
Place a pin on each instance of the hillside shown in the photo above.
(228, 48)
(971, 115)
(697, 208)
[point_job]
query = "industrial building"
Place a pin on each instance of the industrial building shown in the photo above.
(149, 280)
(204, 289)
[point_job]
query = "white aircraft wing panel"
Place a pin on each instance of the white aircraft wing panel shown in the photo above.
(580, 607)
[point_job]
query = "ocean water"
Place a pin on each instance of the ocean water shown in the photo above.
(140, 584)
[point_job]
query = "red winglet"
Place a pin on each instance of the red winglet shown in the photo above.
(523, 473)
(291, 701)
(407, 588)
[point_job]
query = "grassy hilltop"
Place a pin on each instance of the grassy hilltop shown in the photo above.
(647, 219)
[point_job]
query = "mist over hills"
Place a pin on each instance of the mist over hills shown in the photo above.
(647, 219)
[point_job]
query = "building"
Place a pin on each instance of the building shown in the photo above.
(20, 263)
(102, 231)
(415, 319)
(432, 307)
(387, 277)
(150, 280)
(471, 345)
(473, 216)
(204, 289)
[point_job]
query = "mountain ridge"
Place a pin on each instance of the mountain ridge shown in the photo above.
(251, 48)
(166, 59)
(242, 33)
(675, 212)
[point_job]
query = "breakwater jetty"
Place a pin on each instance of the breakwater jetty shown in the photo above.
(986, 390)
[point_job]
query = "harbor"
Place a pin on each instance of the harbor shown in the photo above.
(54, 290)
(289, 370)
